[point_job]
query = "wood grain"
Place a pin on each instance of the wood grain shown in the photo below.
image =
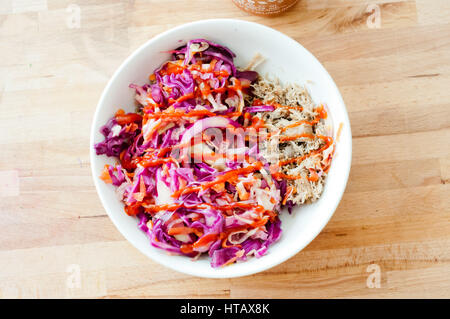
(395, 212)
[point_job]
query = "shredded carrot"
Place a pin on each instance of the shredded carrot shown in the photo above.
(123, 119)
(284, 176)
(289, 192)
(243, 194)
(132, 210)
(322, 113)
(294, 137)
(260, 222)
(142, 191)
(186, 249)
(278, 105)
(104, 176)
(314, 177)
(225, 245)
(338, 133)
(219, 187)
(183, 231)
(182, 98)
(204, 240)
(120, 112)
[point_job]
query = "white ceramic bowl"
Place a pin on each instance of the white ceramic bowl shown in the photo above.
(286, 59)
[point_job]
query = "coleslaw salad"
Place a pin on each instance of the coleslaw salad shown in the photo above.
(189, 163)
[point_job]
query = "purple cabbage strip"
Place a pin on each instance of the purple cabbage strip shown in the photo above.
(181, 84)
(259, 108)
(117, 175)
(251, 76)
(222, 256)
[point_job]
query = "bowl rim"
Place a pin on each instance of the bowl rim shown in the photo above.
(257, 268)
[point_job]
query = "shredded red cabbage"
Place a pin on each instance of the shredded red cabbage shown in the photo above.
(188, 200)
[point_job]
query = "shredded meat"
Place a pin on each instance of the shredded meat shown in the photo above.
(311, 171)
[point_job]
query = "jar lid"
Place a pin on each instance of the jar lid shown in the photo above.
(264, 7)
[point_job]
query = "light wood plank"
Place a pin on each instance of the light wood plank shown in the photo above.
(395, 212)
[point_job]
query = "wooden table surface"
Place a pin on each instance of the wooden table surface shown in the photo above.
(389, 58)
